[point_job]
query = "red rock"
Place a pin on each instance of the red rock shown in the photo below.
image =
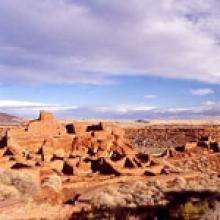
(83, 168)
(46, 116)
(57, 166)
(191, 145)
(80, 127)
(154, 170)
(101, 135)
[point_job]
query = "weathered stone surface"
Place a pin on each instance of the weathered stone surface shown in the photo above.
(164, 136)
(154, 170)
(46, 116)
(46, 128)
(46, 152)
(83, 168)
(36, 133)
(191, 145)
(79, 127)
(54, 182)
(57, 165)
(101, 135)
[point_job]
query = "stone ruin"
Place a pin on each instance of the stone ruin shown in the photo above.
(62, 163)
(77, 148)
(83, 149)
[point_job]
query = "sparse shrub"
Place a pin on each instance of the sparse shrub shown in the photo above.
(25, 183)
(7, 192)
(190, 211)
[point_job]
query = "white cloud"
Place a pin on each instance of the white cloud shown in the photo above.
(210, 103)
(202, 91)
(16, 103)
(24, 106)
(123, 109)
(150, 96)
(31, 109)
(66, 41)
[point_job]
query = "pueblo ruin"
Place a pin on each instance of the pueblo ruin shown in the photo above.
(57, 170)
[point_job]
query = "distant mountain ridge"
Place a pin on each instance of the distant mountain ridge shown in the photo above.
(9, 119)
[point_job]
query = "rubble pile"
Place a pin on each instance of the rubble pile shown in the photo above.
(164, 136)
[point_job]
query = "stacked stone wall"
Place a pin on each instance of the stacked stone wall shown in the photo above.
(171, 136)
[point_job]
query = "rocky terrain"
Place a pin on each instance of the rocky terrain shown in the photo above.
(103, 170)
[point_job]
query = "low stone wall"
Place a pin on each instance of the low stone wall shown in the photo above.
(170, 135)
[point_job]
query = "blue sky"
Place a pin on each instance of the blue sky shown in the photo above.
(108, 59)
(145, 90)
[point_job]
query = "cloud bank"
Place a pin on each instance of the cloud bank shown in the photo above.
(28, 109)
(80, 41)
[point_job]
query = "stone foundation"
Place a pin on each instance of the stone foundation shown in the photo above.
(171, 136)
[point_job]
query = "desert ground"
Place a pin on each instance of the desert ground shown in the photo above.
(106, 169)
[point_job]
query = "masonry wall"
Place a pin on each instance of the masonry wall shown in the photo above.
(170, 136)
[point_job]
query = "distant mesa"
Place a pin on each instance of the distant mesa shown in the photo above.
(9, 119)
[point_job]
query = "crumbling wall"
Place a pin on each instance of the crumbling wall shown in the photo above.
(171, 136)
(80, 148)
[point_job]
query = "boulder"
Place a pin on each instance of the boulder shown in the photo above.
(54, 182)
(51, 190)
